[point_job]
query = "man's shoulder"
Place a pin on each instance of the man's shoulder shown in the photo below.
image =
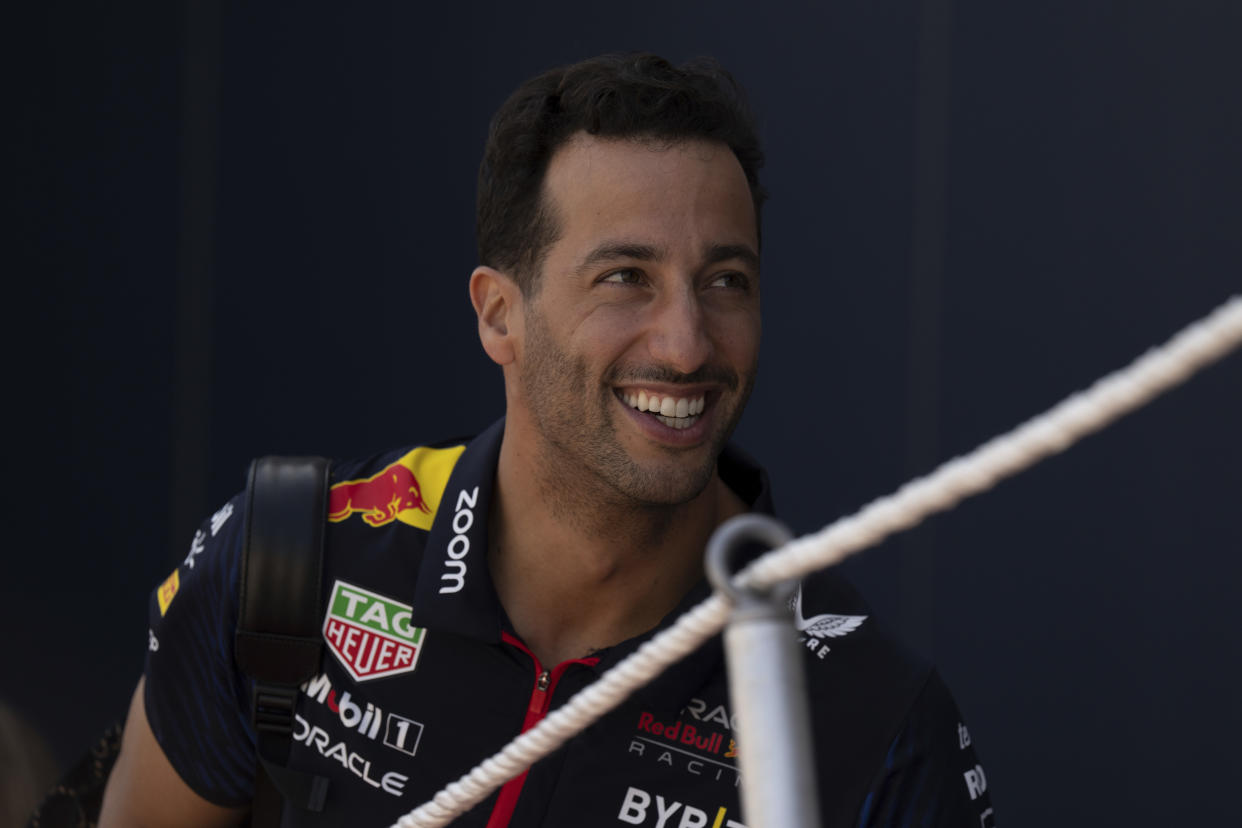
(862, 680)
(849, 644)
(862, 685)
(347, 469)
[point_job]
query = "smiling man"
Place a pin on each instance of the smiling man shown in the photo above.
(628, 361)
(471, 588)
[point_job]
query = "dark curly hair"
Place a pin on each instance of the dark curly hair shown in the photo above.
(612, 96)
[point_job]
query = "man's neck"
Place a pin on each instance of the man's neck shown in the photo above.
(577, 571)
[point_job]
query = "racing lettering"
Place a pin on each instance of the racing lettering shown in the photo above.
(709, 768)
(459, 546)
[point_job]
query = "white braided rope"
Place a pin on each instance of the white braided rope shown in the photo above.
(1054, 431)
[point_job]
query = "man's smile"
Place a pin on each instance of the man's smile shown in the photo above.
(673, 411)
(680, 417)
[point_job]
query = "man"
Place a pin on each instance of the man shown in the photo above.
(618, 224)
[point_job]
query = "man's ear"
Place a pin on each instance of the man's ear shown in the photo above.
(497, 301)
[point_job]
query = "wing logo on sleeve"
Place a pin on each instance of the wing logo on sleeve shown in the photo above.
(818, 627)
(369, 634)
(167, 591)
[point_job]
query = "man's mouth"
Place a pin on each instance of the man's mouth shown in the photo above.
(674, 412)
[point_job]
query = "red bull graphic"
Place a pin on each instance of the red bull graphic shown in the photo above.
(379, 498)
(408, 490)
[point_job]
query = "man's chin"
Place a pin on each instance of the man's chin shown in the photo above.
(660, 485)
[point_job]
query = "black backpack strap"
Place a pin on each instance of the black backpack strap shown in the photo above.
(278, 641)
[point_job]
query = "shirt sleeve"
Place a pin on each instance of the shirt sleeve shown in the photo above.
(931, 774)
(196, 701)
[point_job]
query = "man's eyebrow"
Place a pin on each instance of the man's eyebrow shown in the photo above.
(717, 253)
(611, 251)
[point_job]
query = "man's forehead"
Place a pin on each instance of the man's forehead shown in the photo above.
(648, 193)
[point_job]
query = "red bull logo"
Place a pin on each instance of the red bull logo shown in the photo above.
(380, 499)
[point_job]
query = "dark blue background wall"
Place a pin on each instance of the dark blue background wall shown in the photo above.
(247, 230)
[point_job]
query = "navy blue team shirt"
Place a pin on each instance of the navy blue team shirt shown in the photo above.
(422, 677)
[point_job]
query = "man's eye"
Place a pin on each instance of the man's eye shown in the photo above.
(732, 279)
(626, 276)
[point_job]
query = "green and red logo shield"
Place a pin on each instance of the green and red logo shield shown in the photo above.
(369, 634)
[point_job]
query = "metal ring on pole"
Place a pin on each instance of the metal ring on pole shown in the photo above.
(766, 684)
(731, 536)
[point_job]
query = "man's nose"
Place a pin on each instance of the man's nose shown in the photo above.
(678, 337)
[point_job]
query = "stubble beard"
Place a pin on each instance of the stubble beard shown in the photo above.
(582, 464)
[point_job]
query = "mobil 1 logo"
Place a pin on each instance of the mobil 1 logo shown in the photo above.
(396, 731)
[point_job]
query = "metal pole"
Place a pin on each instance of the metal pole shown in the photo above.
(767, 685)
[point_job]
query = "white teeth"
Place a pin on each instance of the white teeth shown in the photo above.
(675, 422)
(673, 412)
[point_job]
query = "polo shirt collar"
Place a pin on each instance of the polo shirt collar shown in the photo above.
(455, 592)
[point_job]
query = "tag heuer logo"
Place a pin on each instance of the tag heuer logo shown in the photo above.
(369, 634)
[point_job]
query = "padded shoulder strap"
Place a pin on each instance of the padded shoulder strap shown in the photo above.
(277, 640)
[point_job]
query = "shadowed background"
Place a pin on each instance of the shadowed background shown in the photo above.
(244, 230)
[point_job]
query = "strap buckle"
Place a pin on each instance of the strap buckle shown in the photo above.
(273, 707)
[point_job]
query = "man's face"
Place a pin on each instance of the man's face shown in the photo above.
(648, 299)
